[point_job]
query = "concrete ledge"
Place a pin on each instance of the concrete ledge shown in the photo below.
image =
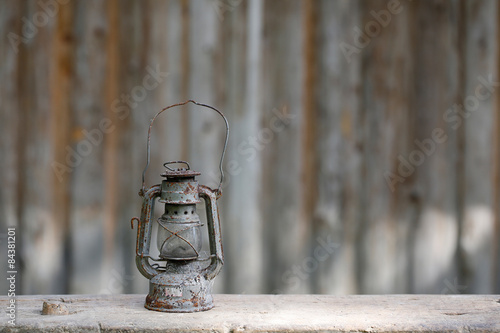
(263, 313)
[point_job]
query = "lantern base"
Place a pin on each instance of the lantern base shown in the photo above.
(180, 289)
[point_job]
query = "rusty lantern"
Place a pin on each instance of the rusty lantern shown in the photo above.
(180, 279)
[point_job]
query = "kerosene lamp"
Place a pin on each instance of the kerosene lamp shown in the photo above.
(180, 280)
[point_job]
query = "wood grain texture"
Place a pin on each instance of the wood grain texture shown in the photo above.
(335, 182)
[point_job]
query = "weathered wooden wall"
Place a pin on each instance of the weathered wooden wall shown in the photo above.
(357, 163)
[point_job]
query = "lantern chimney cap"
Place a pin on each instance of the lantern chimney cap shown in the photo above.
(180, 172)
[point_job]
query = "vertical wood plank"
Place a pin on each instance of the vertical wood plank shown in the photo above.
(386, 217)
(21, 147)
(110, 158)
(129, 41)
(279, 139)
(337, 149)
(44, 217)
(478, 235)
(242, 190)
(437, 88)
(89, 131)
(496, 177)
(10, 110)
(61, 84)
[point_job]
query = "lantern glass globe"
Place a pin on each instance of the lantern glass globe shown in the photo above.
(179, 235)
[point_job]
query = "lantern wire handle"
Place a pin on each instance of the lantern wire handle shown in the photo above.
(143, 189)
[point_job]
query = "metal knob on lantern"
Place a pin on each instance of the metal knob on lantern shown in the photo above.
(180, 280)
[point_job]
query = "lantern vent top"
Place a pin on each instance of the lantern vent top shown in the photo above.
(179, 172)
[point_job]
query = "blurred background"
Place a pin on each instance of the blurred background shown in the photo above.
(363, 155)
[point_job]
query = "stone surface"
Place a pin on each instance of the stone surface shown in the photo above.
(264, 313)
